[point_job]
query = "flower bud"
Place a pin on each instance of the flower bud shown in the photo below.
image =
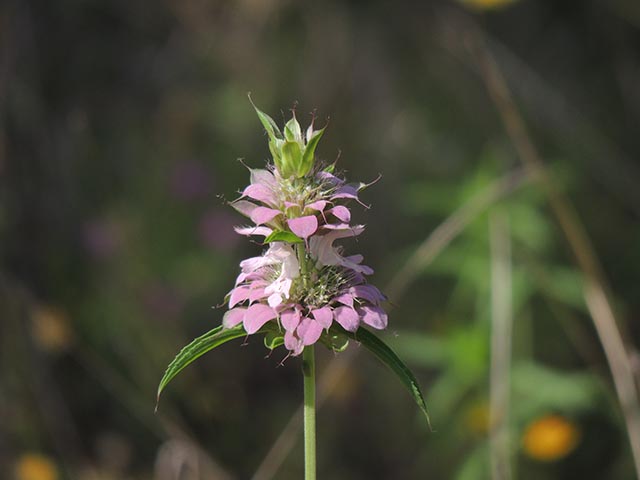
(293, 153)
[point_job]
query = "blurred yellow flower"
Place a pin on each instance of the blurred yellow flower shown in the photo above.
(33, 466)
(476, 418)
(487, 4)
(550, 438)
(50, 329)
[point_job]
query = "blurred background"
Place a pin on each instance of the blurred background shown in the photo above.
(504, 229)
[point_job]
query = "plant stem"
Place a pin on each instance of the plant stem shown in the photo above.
(302, 260)
(309, 372)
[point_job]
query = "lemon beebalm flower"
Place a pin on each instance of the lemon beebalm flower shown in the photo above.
(304, 288)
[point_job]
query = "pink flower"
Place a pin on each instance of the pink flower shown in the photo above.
(303, 282)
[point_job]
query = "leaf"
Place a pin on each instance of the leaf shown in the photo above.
(267, 122)
(307, 156)
(292, 131)
(336, 341)
(273, 339)
(391, 360)
(196, 349)
(291, 155)
(282, 236)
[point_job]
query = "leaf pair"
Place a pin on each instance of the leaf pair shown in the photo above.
(335, 339)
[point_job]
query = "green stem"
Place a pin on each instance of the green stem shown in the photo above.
(302, 260)
(309, 372)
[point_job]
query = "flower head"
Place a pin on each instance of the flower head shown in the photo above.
(303, 282)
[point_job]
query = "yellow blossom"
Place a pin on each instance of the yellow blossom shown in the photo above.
(33, 466)
(476, 418)
(50, 329)
(550, 438)
(487, 4)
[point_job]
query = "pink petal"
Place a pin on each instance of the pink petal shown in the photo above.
(345, 299)
(368, 293)
(256, 316)
(344, 229)
(342, 213)
(324, 316)
(245, 207)
(303, 227)
(274, 300)
(256, 294)
(290, 320)
(262, 231)
(318, 205)
(261, 193)
(347, 317)
(238, 294)
(309, 331)
(233, 317)
(374, 317)
(355, 265)
(293, 343)
(355, 258)
(330, 178)
(263, 215)
(264, 177)
(346, 191)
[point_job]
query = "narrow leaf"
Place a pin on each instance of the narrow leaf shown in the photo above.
(196, 349)
(292, 131)
(336, 341)
(291, 154)
(267, 122)
(273, 339)
(309, 151)
(282, 236)
(387, 356)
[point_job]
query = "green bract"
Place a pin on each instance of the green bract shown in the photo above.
(293, 154)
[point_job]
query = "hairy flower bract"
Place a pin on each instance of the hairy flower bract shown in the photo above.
(304, 281)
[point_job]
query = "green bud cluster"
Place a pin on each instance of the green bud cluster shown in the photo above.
(293, 152)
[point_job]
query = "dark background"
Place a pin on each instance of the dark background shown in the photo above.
(120, 126)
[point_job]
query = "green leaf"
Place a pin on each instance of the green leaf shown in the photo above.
(336, 341)
(196, 349)
(275, 145)
(309, 151)
(291, 156)
(267, 122)
(292, 131)
(273, 339)
(282, 236)
(391, 360)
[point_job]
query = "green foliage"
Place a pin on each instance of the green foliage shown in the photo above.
(387, 356)
(292, 154)
(309, 152)
(283, 236)
(334, 340)
(273, 339)
(198, 347)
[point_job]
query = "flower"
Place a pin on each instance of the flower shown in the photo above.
(34, 466)
(303, 282)
(550, 438)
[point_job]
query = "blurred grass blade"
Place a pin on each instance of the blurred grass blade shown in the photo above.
(387, 356)
(196, 349)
